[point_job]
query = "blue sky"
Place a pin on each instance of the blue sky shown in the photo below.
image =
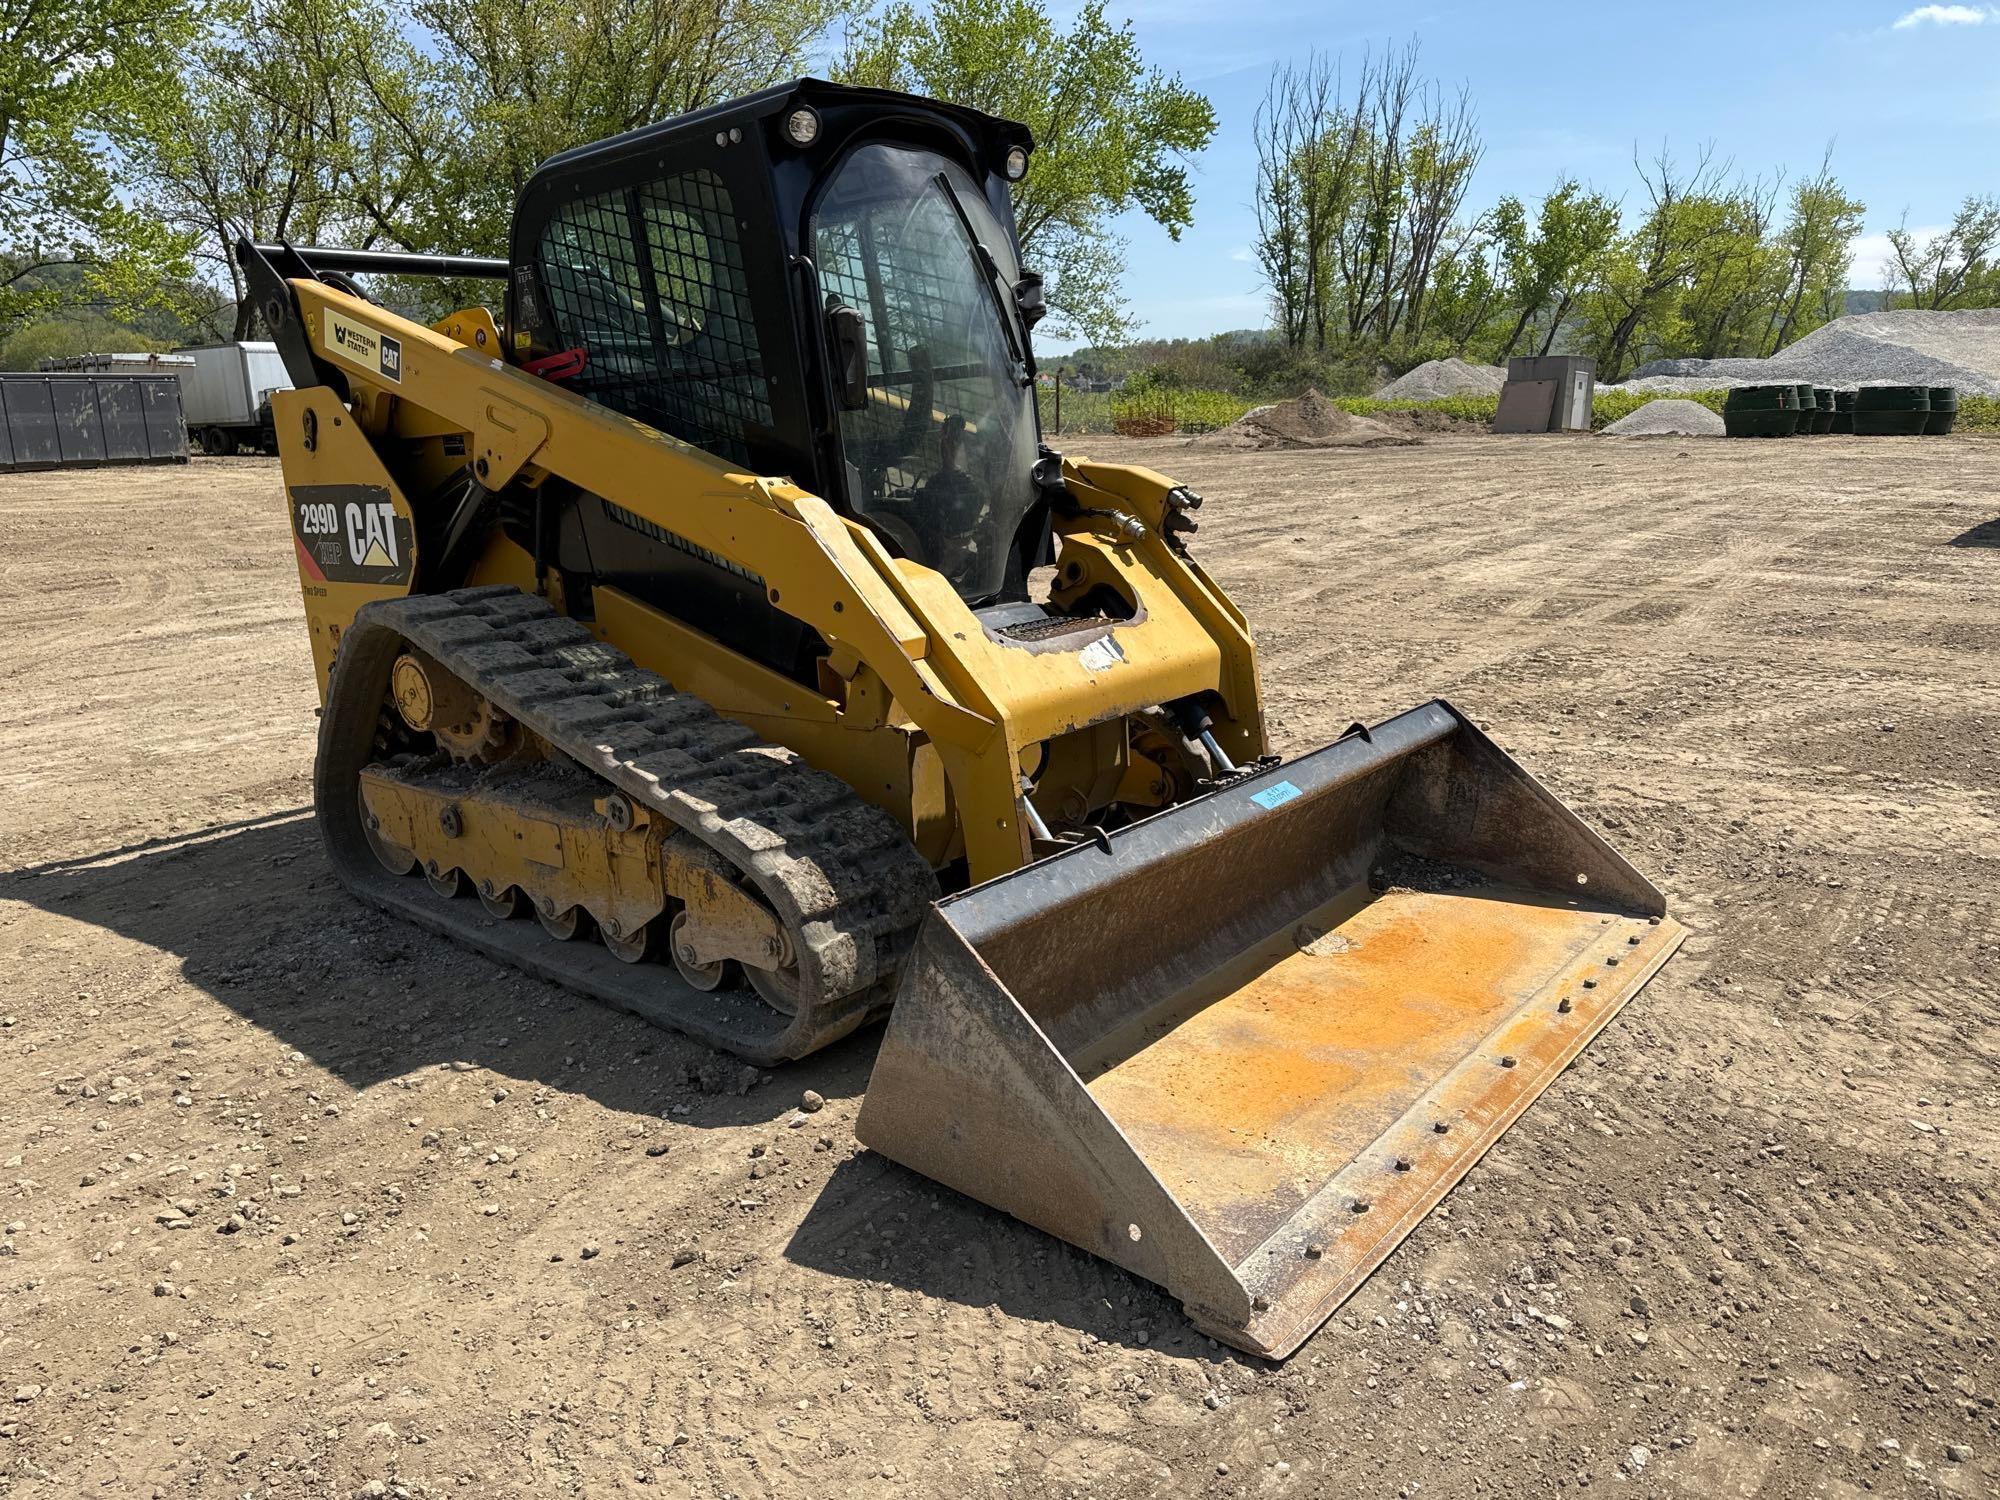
(1912, 109)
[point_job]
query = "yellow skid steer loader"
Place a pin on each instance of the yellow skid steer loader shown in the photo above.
(718, 601)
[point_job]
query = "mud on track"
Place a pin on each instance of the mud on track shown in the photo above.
(1752, 1233)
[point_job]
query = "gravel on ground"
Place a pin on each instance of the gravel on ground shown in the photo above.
(1906, 347)
(1437, 378)
(1668, 418)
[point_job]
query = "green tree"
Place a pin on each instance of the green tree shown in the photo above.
(528, 78)
(1549, 267)
(352, 122)
(246, 145)
(77, 83)
(1636, 302)
(1311, 149)
(1732, 285)
(1111, 134)
(1818, 250)
(65, 334)
(1358, 196)
(1954, 268)
(1467, 285)
(307, 121)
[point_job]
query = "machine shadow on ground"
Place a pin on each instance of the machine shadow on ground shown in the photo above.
(370, 998)
(1985, 534)
(878, 1221)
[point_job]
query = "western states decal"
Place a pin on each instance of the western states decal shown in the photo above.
(359, 344)
(350, 533)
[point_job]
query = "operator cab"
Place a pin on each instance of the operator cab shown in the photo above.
(815, 282)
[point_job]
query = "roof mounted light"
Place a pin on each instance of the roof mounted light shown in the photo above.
(1017, 163)
(802, 125)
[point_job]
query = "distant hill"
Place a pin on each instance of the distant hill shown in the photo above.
(1859, 301)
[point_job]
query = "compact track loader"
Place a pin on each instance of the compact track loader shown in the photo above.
(711, 632)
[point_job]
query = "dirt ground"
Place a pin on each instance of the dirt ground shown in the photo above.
(297, 1204)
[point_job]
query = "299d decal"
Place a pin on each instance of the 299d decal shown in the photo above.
(350, 533)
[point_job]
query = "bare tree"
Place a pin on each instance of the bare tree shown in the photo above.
(1358, 194)
(1307, 146)
(1444, 152)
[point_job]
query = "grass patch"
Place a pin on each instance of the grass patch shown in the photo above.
(1478, 409)
(1978, 414)
(1606, 406)
(1148, 412)
(1189, 412)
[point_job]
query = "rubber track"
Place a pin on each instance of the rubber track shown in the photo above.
(839, 872)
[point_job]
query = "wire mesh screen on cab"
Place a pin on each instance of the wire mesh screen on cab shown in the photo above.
(649, 282)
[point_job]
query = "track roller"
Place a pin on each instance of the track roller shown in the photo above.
(500, 904)
(702, 976)
(628, 947)
(561, 925)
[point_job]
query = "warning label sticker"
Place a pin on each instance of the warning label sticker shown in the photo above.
(359, 344)
(350, 533)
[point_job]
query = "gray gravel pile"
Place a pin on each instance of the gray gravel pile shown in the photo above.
(1676, 385)
(1887, 348)
(1668, 418)
(1435, 379)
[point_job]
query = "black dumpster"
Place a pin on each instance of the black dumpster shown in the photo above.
(55, 420)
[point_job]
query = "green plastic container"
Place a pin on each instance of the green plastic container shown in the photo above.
(1892, 410)
(1944, 410)
(1843, 411)
(1759, 397)
(1823, 411)
(1760, 423)
(1761, 411)
(1893, 398)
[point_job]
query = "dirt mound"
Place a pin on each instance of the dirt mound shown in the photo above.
(1308, 421)
(1435, 379)
(1668, 419)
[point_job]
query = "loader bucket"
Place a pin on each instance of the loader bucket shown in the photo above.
(1245, 1048)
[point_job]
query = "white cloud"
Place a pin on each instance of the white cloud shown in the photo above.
(1243, 253)
(1948, 15)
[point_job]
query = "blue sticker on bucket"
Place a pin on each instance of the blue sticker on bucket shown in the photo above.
(1276, 795)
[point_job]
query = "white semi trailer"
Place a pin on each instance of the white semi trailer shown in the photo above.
(226, 395)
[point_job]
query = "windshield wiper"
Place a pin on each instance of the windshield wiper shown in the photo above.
(989, 271)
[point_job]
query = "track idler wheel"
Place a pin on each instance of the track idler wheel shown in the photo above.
(447, 883)
(393, 857)
(777, 988)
